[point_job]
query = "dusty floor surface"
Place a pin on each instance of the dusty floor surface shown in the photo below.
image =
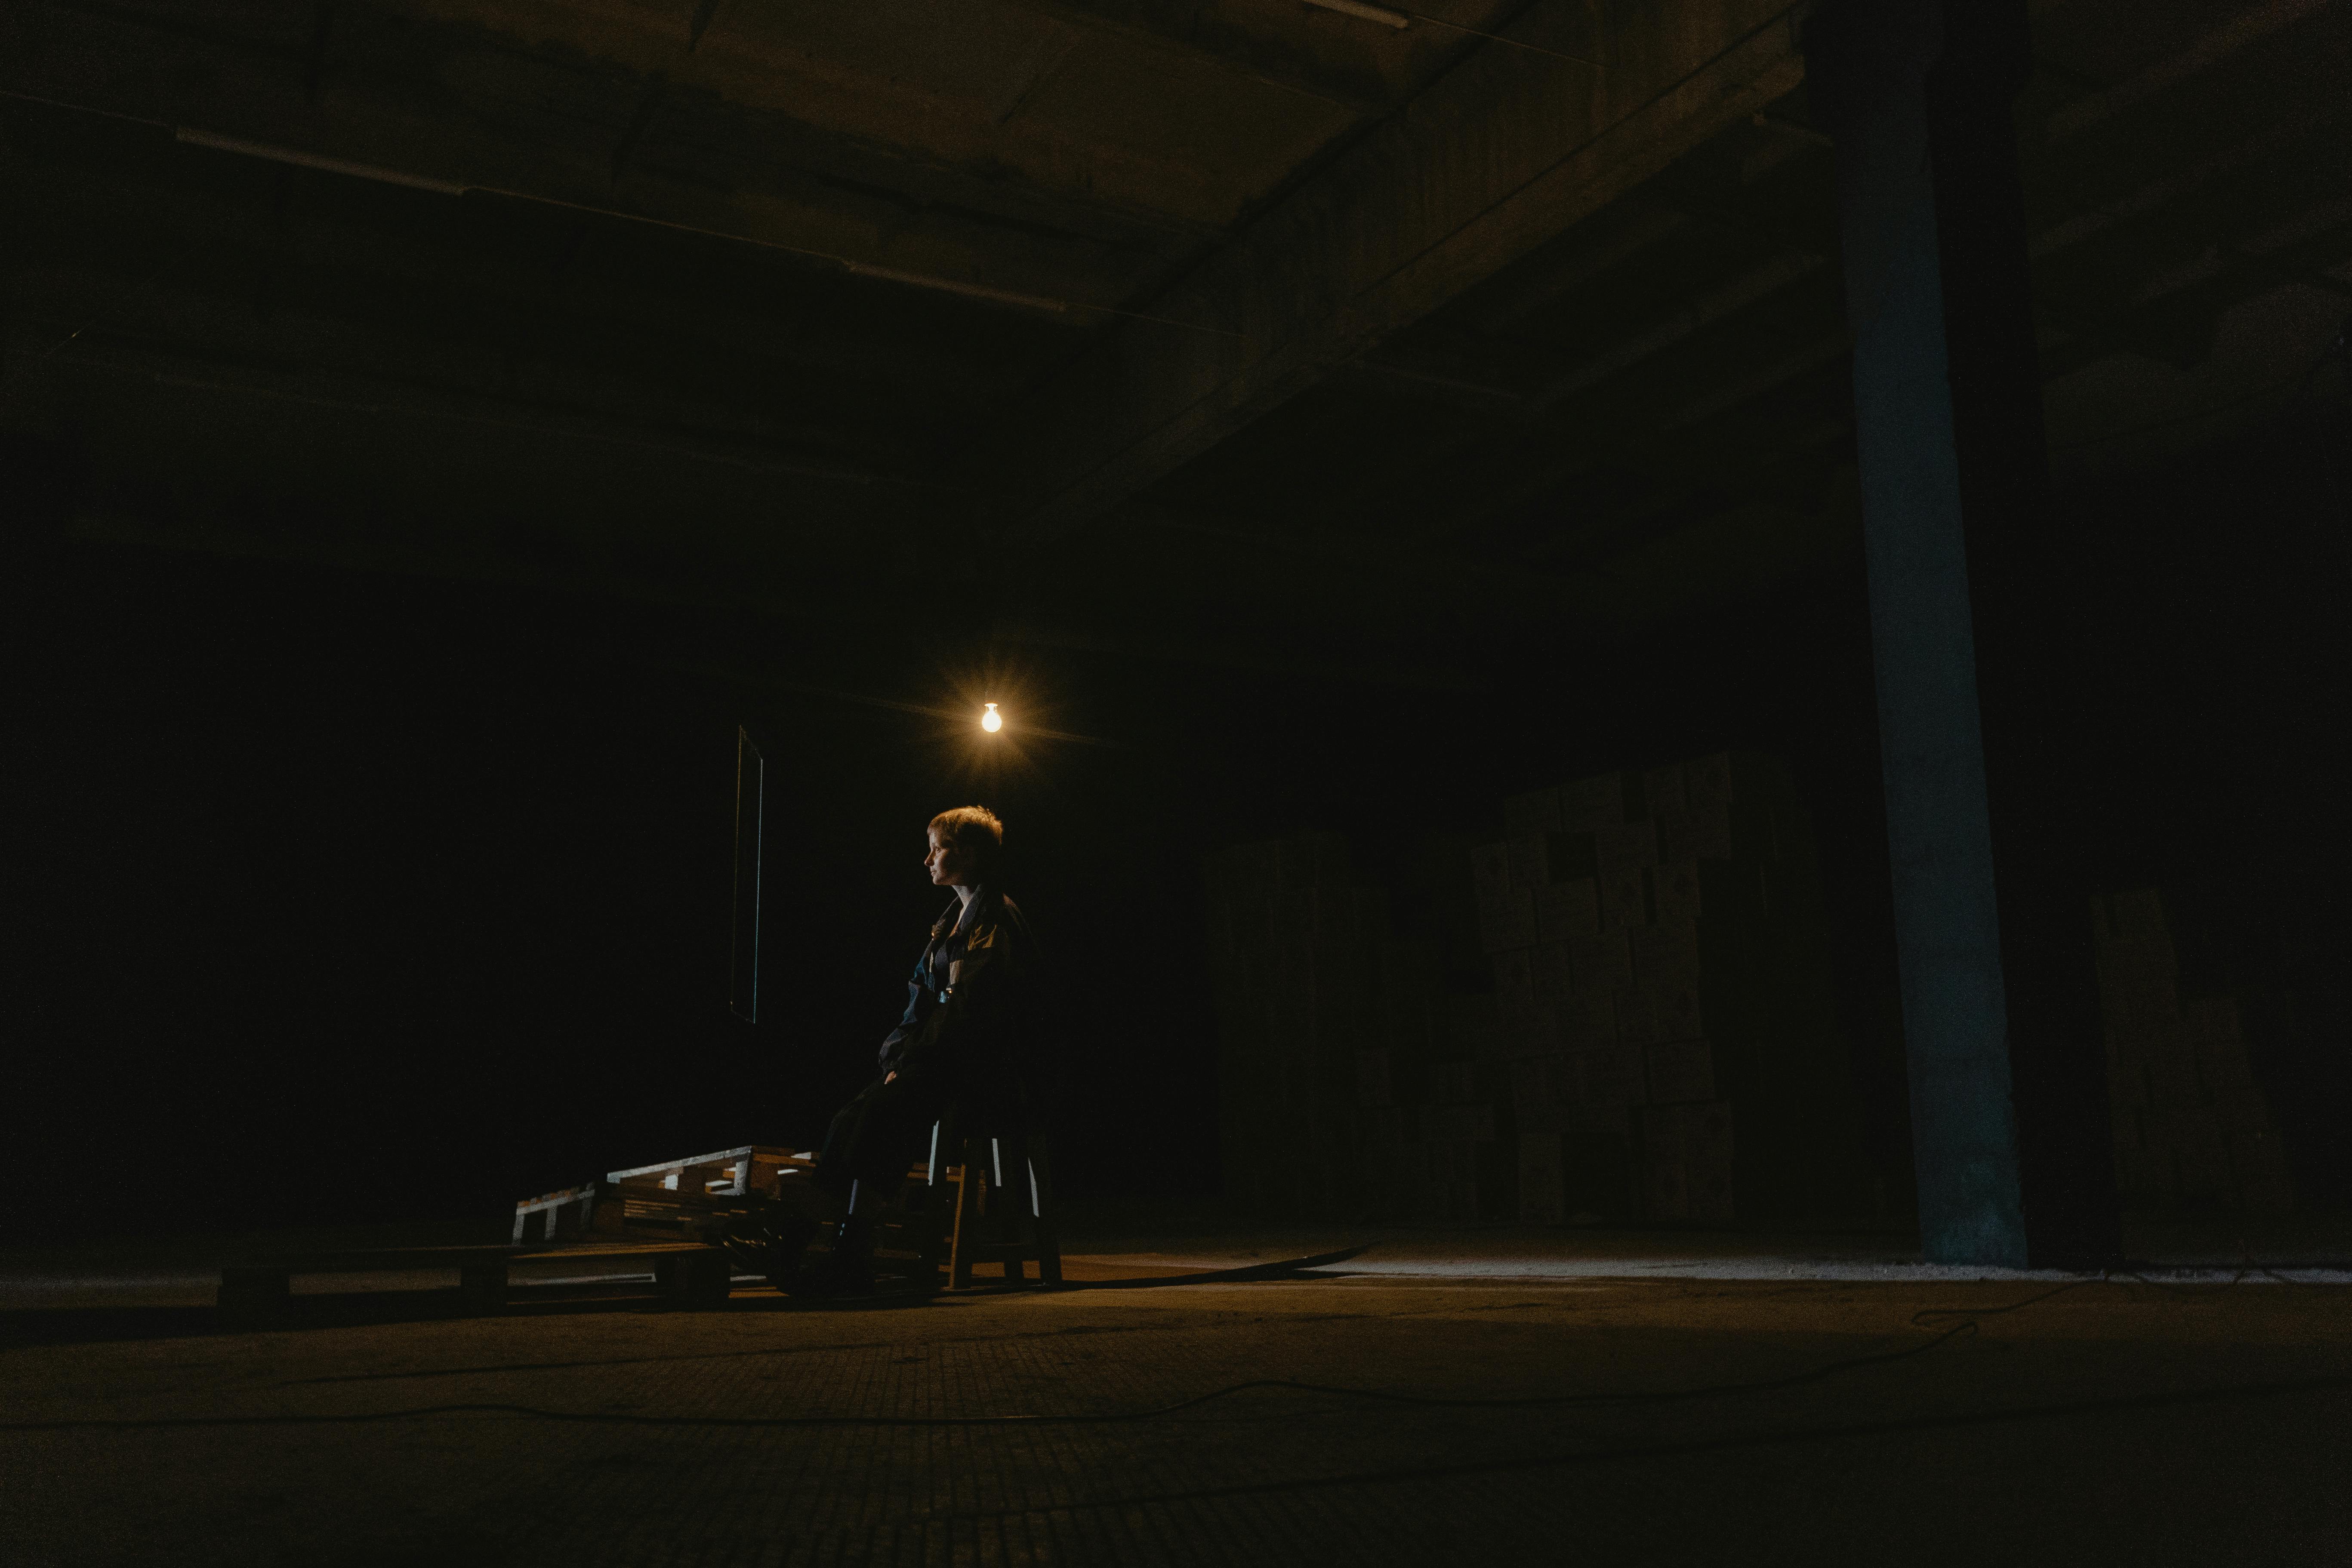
(1472, 1401)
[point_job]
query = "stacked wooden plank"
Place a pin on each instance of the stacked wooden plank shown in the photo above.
(565, 1215)
(1657, 1038)
(1667, 1014)
(1325, 1019)
(1463, 1131)
(2192, 1126)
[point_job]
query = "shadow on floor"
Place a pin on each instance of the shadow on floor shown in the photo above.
(86, 1324)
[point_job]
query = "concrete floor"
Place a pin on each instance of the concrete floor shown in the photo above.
(1601, 1397)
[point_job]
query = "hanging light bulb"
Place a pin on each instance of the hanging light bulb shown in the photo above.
(991, 720)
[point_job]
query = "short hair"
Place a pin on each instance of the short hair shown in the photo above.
(973, 829)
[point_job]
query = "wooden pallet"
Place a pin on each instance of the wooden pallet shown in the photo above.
(973, 1201)
(697, 1198)
(550, 1218)
(686, 1199)
(259, 1293)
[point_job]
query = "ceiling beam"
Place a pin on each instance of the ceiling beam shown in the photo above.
(820, 361)
(1574, 412)
(2269, 146)
(1261, 65)
(1671, 463)
(751, 169)
(1499, 155)
(376, 400)
(1729, 299)
(1216, 588)
(1548, 277)
(794, 62)
(2250, 26)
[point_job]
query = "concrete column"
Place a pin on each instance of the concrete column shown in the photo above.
(1999, 1008)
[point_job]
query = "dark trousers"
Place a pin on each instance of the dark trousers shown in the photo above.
(877, 1136)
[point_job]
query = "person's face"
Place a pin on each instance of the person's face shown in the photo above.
(950, 866)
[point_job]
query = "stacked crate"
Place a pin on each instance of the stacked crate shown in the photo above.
(1658, 1041)
(1463, 1121)
(1325, 1023)
(2192, 1126)
(1666, 1020)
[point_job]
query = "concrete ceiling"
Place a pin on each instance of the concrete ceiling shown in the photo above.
(1238, 330)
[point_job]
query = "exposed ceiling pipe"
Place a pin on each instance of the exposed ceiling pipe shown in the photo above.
(1404, 19)
(190, 136)
(945, 286)
(1380, 13)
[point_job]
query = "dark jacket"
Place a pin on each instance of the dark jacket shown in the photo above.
(969, 1000)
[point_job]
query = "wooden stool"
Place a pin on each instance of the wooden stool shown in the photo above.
(991, 1201)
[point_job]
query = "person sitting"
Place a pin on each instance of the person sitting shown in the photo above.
(957, 1046)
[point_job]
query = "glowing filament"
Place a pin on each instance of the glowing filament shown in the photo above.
(991, 720)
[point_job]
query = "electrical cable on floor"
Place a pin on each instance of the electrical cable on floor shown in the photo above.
(623, 1418)
(1926, 1315)
(2215, 1289)
(1968, 1316)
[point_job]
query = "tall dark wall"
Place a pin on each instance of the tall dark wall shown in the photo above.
(333, 894)
(336, 895)
(2218, 658)
(343, 896)
(2212, 659)
(1787, 672)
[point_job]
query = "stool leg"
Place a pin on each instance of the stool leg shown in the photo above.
(969, 1194)
(939, 1216)
(1019, 1216)
(1040, 1212)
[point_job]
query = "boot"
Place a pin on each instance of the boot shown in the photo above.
(785, 1251)
(850, 1270)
